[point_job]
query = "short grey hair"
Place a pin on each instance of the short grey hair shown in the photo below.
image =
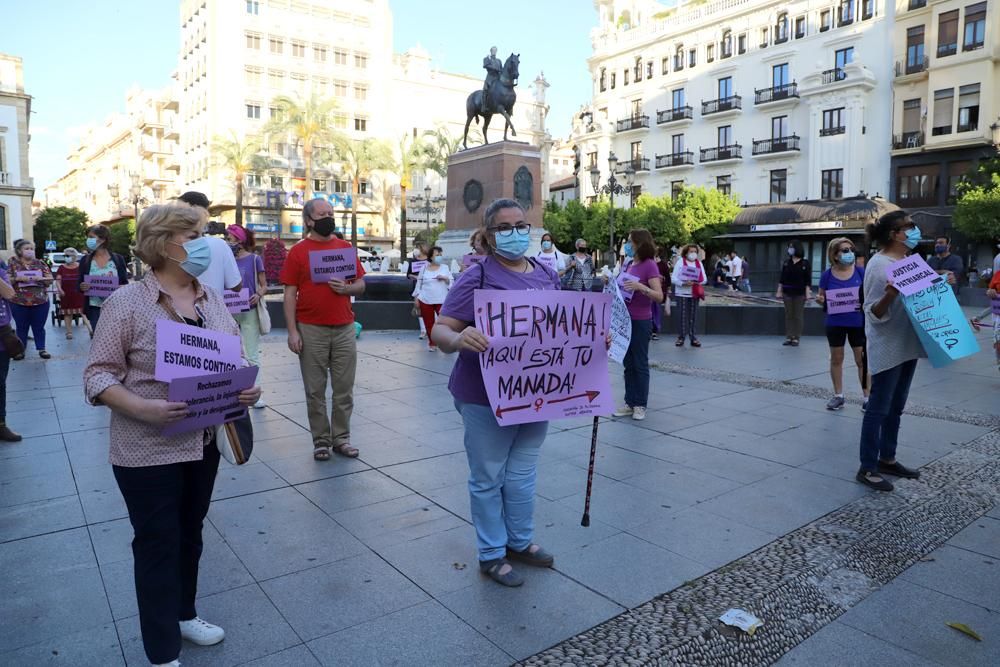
(308, 207)
(578, 242)
(495, 207)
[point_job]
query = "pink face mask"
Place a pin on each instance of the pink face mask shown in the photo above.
(28, 254)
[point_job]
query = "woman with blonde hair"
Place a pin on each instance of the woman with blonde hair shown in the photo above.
(166, 480)
(845, 277)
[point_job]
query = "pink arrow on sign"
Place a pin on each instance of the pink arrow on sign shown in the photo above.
(591, 395)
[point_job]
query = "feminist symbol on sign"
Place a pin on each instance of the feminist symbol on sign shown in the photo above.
(539, 402)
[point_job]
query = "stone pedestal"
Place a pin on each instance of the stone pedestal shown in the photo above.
(481, 174)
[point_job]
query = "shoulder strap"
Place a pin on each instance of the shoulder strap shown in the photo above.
(482, 273)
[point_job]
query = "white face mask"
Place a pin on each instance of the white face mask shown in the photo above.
(692, 256)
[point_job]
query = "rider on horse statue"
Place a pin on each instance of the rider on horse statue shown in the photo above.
(493, 67)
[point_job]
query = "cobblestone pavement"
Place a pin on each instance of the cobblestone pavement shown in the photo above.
(736, 491)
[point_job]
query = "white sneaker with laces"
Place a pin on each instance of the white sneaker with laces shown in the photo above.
(638, 413)
(624, 411)
(201, 633)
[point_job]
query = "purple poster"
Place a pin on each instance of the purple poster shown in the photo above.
(548, 356)
(845, 300)
(472, 258)
(185, 351)
(622, 277)
(333, 264)
(101, 285)
(237, 302)
(551, 261)
(212, 399)
(417, 265)
(33, 276)
(912, 274)
(690, 274)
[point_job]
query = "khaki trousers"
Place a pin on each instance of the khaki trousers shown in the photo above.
(329, 350)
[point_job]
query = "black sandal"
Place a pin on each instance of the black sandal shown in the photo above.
(538, 558)
(491, 569)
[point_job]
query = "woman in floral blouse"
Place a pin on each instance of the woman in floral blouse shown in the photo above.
(166, 480)
(30, 278)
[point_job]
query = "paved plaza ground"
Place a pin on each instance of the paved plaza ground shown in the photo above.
(737, 491)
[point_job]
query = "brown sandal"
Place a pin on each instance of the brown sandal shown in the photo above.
(345, 449)
(321, 453)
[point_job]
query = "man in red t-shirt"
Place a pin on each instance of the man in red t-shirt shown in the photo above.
(321, 331)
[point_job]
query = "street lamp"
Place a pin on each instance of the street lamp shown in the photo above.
(612, 188)
(995, 130)
(428, 206)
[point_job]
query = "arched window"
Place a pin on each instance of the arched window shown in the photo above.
(726, 47)
(637, 69)
(679, 58)
(604, 79)
(781, 29)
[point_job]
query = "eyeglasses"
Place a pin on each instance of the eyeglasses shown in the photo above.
(522, 228)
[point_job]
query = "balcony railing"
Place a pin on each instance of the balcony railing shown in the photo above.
(908, 140)
(633, 123)
(5, 178)
(912, 67)
(776, 93)
(730, 152)
(722, 104)
(940, 131)
(947, 50)
(834, 75)
(776, 145)
(637, 163)
(917, 4)
(674, 160)
(831, 131)
(967, 127)
(673, 115)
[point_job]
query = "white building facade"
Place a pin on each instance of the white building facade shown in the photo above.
(16, 185)
(768, 101)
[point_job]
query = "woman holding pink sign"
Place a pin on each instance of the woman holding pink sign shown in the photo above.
(840, 292)
(251, 267)
(166, 480)
(30, 278)
(100, 261)
(689, 287)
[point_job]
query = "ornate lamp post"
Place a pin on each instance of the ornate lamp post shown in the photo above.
(430, 205)
(612, 188)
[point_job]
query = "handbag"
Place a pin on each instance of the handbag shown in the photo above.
(264, 317)
(235, 440)
(12, 345)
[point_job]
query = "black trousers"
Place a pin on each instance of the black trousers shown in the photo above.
(166, 506)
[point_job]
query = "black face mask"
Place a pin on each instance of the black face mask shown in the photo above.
(323, 226)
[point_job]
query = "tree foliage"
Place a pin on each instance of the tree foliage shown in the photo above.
(977, 211)
(65, 225)
(122, 237)
(360, 158)
(310, 125)
(239, 156)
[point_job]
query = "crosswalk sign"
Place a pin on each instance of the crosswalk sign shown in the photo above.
(50, 245)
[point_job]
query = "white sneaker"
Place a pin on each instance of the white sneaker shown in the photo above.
(172, 663)
(201, 633)
(638, 413)
(423, 336)
(623, 411)
(260, 404)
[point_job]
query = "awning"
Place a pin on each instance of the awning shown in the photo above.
(846, 231)
(860, 209)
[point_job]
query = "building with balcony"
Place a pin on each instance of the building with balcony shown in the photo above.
(132, 158)
(945, 103)
(772, 102)
(16, 185)
(236, 57)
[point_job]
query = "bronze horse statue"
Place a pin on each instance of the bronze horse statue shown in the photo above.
(500, 99)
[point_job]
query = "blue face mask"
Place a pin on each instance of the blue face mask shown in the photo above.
(199, 255)
(513, 246)
(912, 238)
(546, 245)
(628, 249)
(91, 244)
(847, 258)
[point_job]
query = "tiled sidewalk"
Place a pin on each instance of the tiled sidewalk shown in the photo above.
(372, 561)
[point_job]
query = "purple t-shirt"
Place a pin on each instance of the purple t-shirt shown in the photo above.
(466, 382)
(4, 306)
(249, 267)
(828, 282)
(641, 306)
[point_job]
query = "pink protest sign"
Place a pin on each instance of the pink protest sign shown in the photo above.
(690, 273)
(912, 274)
(212, 399)
(32, 275)
(183, 350)
(472, 258)
(548, 355)
(845, 300)
(333, 264)
(417, 265)
(622, 277)
(551, 261)
(102, 285)
(237, 302)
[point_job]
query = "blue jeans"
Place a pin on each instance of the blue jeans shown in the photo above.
(4, 369)
(33, 317)
(503, 464)
(637, 364)
(880, 428)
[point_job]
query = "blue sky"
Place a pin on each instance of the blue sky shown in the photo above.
(81, 57)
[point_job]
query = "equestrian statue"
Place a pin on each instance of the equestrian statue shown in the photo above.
(497, 95)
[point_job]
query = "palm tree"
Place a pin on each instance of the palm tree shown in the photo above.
(412, 158)
(240, 157)
(439, 145)
(360, 158)
(309, 122)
